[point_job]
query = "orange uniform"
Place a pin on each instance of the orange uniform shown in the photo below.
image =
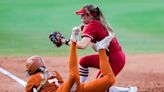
(98, 85)
(53, 82)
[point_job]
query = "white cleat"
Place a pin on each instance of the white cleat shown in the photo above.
(122, 89)
(132, 89)
(104, 43)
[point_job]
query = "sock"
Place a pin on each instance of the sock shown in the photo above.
(83, 73)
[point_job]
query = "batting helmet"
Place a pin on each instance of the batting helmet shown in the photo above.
(34, 63)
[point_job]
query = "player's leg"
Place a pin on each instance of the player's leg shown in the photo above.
(108, 79)
(117, 61)
(85, 62)
(73, 76)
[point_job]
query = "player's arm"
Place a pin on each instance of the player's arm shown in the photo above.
(93, 46)
(58, 39)
(30, 85)
(85, 41)
(82, 44)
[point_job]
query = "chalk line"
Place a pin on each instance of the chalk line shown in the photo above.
(20, 81)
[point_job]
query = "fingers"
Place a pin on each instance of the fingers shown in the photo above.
(75, 33)
(76, 29)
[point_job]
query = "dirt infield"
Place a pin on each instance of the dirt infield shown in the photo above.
(144, 71)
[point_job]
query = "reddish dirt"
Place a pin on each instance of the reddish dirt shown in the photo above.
(144, 71)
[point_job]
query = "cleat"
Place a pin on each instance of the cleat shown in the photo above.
(104, 43)
(132, 89)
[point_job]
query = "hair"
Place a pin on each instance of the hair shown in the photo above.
(97, 14)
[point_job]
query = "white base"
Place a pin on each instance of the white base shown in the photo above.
(123, 89)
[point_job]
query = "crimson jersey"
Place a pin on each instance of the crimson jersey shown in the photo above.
(96, 31)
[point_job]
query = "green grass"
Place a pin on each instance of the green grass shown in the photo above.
(25, 25)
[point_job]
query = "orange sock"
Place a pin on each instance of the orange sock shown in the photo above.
(73, 62)
(104, 63)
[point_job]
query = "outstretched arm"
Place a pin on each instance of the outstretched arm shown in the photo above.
(82, 44)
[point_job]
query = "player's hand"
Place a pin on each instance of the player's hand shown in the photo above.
(75, 34)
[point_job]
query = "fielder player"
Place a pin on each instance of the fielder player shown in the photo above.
(95, 28)
(44, 81)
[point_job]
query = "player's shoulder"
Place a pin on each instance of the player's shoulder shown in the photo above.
(92, 25)
(94, 22)
(34, 77)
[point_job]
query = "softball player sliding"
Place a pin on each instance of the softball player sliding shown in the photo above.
(44, 81)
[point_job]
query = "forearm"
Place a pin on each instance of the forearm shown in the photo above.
(105, 66)
(93, 46)
(80, 44)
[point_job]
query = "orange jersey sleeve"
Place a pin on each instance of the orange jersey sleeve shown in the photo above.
(53, 82)
(33, 82)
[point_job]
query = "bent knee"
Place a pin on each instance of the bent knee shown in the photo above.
(72, 76)
(110, 79)
(82, 62)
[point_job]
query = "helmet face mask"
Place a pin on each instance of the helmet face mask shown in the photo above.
(33, 64)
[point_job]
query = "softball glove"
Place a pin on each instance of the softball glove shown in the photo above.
(56, 38)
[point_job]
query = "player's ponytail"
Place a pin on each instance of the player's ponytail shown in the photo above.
(104, 22)
(97, 14)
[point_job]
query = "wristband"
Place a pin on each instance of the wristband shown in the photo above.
(67, 42)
